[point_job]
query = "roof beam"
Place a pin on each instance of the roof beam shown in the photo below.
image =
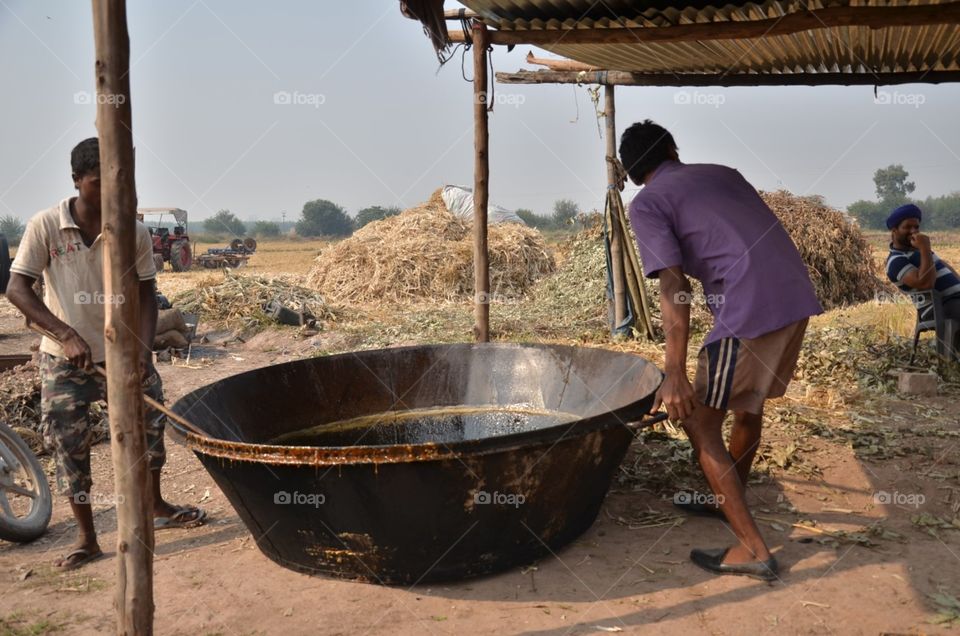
(624, 78)
(872, 17)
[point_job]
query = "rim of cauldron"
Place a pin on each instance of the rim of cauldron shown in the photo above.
(429, 451)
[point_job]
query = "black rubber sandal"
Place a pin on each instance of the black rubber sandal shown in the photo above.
(712, 561)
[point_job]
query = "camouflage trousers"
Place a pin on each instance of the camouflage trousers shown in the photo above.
(66, 393)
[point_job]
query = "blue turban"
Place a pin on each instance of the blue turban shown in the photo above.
(905, 211)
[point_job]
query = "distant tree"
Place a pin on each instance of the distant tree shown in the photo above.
(225, 221)
(941, 213)
(324, 218)
(892, 185)
(12, 228)
(871, 215)
(564, 212)
(266, 228)
(375, 213)
(532, 219)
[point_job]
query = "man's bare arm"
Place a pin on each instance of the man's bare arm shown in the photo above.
(925, 277)
(676, 392)
(21, 294)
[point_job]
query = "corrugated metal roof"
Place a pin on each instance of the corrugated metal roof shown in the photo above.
(843, 49)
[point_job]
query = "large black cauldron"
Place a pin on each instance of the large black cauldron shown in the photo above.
(410, 513)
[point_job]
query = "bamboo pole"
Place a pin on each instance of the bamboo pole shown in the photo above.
(616, 245)
(559, 65)
(817, 20)
(627, 78)
(481, 176)
(134, 596)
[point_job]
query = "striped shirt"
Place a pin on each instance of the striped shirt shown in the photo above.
(902, 262)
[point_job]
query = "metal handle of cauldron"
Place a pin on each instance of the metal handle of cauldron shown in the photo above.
(650, 421)
(157, 406)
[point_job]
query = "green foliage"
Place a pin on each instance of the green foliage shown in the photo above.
(892, 185)
(564, 212)
(224, 221)
(266, 228)
(12, 228)
(870, 214)
(375, 213)
(533, 220)
(939, 213)
(324, 218)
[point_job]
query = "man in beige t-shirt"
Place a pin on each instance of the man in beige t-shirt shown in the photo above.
(63, 244)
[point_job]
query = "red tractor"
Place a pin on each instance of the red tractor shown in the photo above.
(169, 247)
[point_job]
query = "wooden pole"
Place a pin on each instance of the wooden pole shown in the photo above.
(616, 252)
(481, 176)
(817, 20)
(626, 78)
(559, 65)
(134, 596)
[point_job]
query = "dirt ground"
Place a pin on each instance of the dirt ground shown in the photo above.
(865, 568)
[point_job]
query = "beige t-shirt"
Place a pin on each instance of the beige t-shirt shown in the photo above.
(52, 246)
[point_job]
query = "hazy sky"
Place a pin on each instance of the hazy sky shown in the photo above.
(372, 121)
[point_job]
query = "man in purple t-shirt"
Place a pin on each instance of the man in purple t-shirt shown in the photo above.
(707, 221)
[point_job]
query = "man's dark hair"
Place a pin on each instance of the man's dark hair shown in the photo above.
(643, 147)
(85, 157)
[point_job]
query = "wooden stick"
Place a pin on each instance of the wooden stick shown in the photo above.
(128, 444)
(626, 78)
(559, 65)
(616, 245)
(818, 20)
(481, 176)
(454, 14)
(146, 398)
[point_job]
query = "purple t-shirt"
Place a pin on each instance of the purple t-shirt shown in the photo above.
(709, 220)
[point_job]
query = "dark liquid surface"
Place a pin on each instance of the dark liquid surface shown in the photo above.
(439, 426)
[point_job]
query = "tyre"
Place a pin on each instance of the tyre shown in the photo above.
(250, 244)
(158, 262)
(181, 257)
(25, 500)
(236, 244)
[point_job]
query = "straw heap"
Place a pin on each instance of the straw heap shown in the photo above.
(236, 296)
(837, 255)
(426, 252)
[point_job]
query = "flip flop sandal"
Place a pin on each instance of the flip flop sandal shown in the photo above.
(176, 520)
(712, 561)
(78, 558)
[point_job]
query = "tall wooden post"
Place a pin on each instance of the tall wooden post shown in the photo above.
(134, 596)
(616, 241)
(481, 175)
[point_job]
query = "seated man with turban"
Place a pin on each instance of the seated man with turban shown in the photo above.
(912, 265)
